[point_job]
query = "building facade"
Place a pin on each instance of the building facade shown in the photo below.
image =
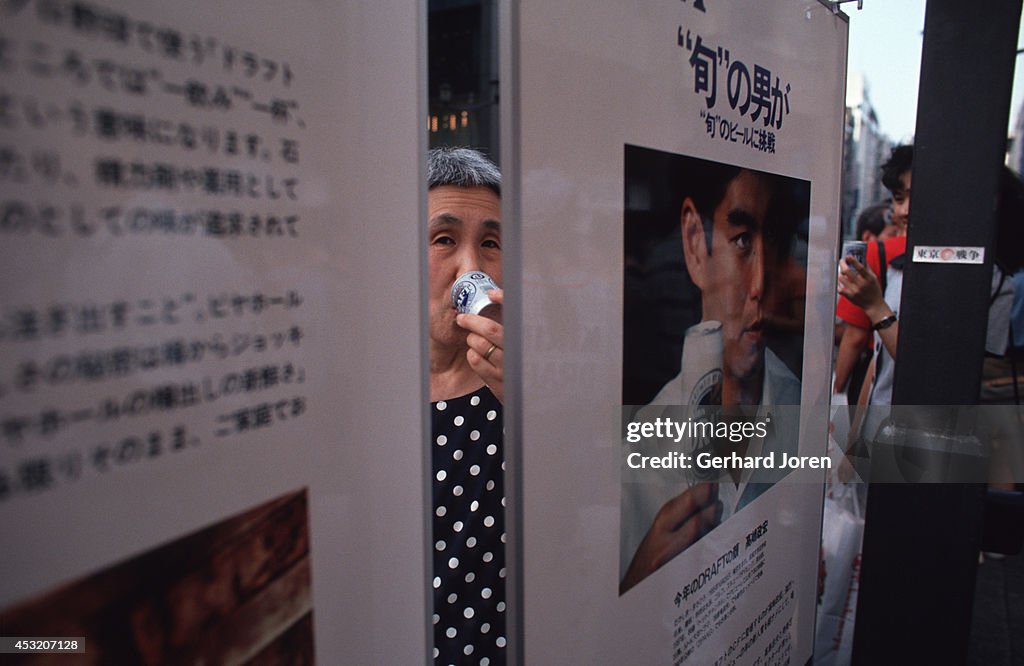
(865, 149)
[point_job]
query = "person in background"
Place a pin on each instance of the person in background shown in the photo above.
(863, 306)
(866, 304)
(854, 355)
(466, 393)
(874, 223)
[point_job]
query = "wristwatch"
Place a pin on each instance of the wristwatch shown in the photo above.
(884, 322)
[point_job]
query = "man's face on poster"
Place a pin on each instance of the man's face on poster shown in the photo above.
(731, 276)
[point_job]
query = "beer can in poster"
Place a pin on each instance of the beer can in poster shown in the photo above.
(702, 388)
(702, 364)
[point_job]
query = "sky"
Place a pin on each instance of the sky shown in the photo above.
(885, 45)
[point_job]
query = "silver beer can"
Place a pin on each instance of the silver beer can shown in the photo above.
(856, 249)
(702, 364)
(469, 294)
(702, 389)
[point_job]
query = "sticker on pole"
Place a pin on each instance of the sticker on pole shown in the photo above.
(938, 254)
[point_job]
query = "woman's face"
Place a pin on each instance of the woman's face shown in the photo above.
(464, 234)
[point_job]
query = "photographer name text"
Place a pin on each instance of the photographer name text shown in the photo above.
(708, 460)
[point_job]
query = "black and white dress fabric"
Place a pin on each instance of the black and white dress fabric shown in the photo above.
(469, 530)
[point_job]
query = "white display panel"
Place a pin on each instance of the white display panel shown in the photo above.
(587, 84)
(210, 328)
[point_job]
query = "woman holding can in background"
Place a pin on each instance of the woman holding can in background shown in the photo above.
(466, 393)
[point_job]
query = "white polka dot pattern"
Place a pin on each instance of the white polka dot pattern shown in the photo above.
(468, 530)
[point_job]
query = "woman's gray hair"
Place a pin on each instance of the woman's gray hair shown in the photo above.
(462, 167)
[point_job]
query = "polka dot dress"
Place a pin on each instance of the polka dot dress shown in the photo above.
(469, 530)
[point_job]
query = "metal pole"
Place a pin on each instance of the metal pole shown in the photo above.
(921, 541)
